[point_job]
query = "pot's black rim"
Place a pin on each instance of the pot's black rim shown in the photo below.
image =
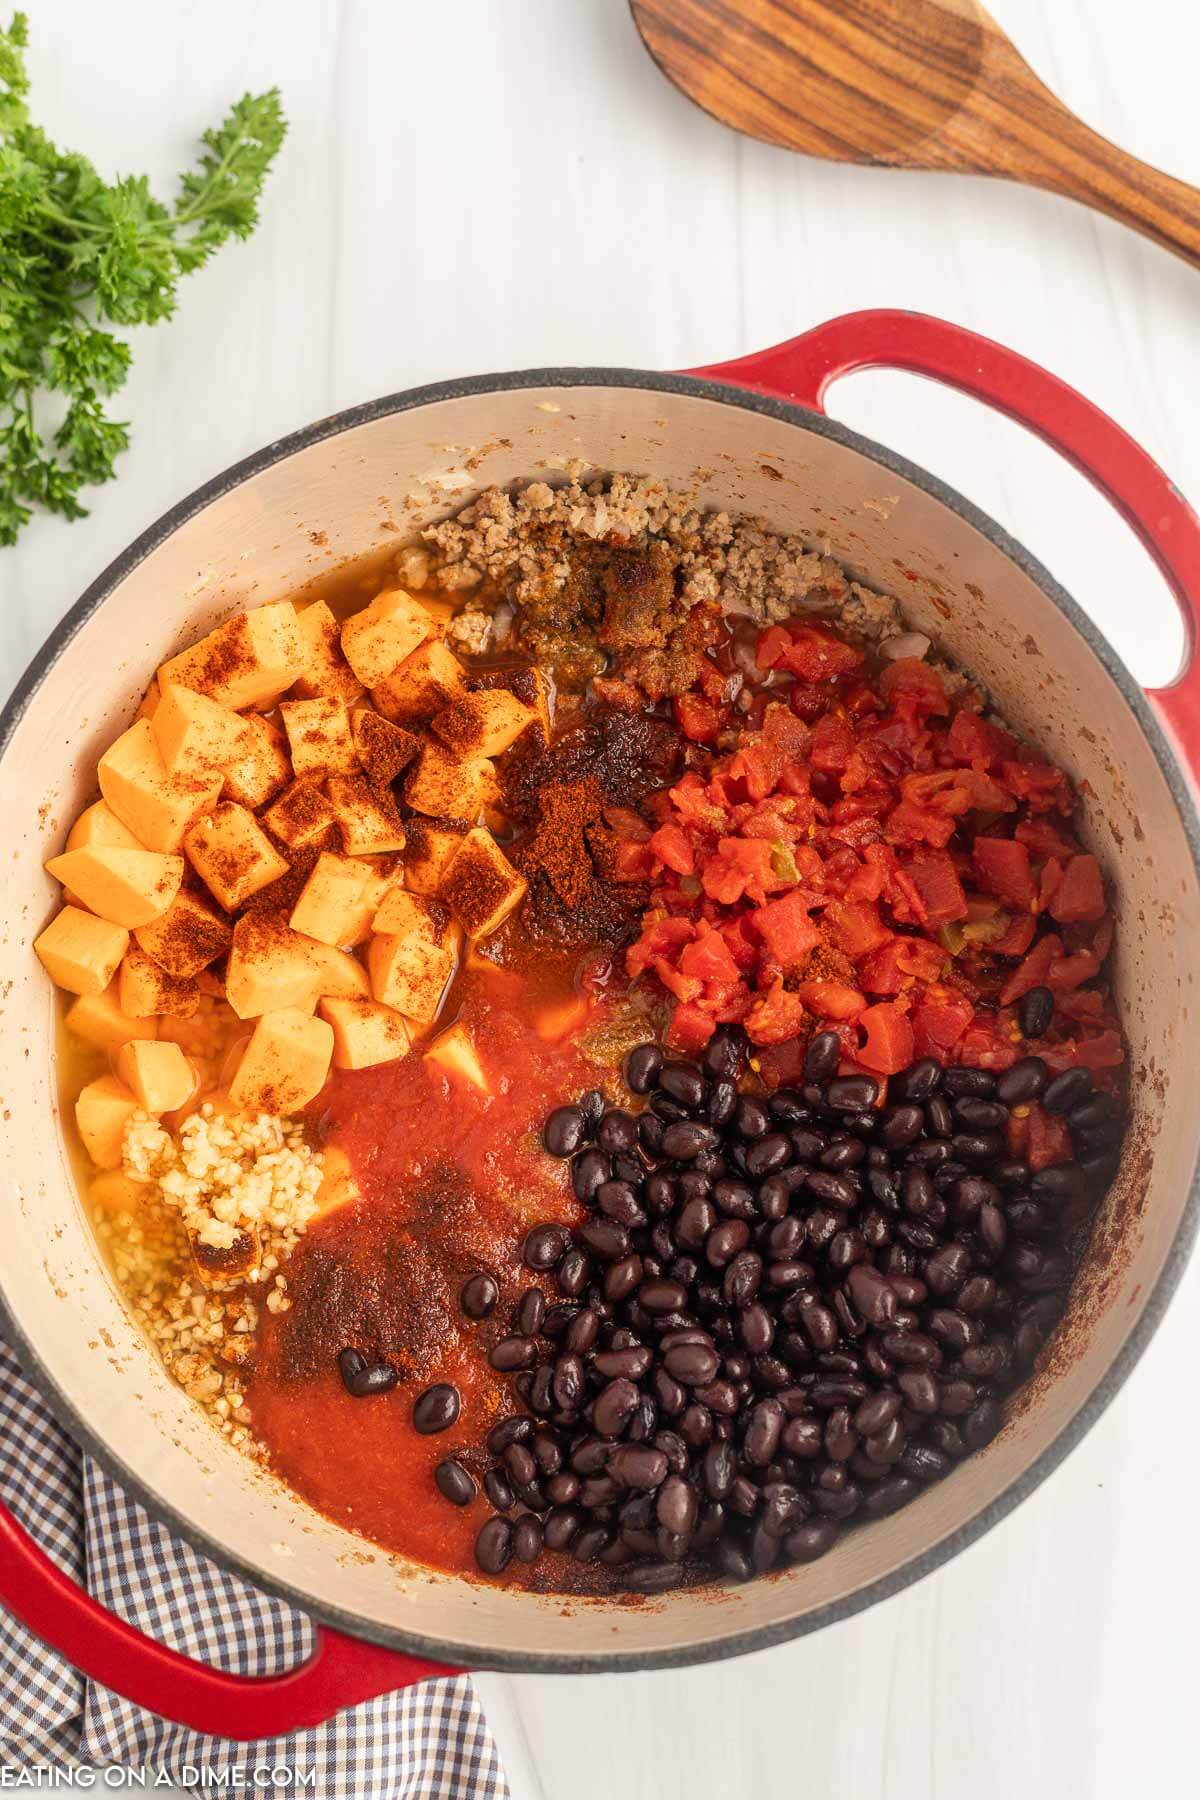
(761, 1637)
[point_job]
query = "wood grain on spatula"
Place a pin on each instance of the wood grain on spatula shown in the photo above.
(909, 84)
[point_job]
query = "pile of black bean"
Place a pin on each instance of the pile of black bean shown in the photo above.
(783, 1313)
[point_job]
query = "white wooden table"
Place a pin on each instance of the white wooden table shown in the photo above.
(476, 186)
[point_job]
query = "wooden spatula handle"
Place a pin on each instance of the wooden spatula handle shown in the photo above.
(1089, 168)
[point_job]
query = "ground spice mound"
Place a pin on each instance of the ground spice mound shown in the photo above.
(384, 1282)
(564, 797)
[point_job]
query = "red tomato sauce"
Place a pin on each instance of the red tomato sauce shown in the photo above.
(451, 1180)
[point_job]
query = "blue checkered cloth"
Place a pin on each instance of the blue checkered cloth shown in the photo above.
(429, 1742)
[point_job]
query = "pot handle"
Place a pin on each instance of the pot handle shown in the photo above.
(802, 369)
(342, 1671)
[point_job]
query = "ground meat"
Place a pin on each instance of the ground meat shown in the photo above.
(617, 565)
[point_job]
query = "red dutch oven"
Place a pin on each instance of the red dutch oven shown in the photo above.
(750, 436)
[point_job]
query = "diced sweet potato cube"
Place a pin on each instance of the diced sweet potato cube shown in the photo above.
(454, 1052)
(383, 748)
(128, 887)
(98, 827)
(338, 901)
(270, 966)
(262, 769)
(285, 1065)
(102, 1112)
(158, 1074)
(188, 937)
(80, 952)
(481, 886)
(326, 670)
(367, 818)
(195, 735)
(432, 846)
(484, 723)
(303, 817)
(444, 785)
(364, 1033)
(154, 804)
(318, 733)
(248, 662)
(562, 1019)
(148, 704)
(144, 990)
(412, 956)
(115, 1192)
(377, 639)
(232, 854)
(340, 976)
(98, 1020)
(423, 684)
(530, 686)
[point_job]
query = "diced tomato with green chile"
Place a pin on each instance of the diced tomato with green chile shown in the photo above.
(865, 852)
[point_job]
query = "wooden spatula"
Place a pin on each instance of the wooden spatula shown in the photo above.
(913, 84)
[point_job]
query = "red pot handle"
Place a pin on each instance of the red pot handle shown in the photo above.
(802, 369)
(340, 1672)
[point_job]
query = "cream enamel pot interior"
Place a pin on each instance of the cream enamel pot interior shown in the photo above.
(374, 476)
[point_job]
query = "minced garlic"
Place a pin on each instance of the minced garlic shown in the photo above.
(227, 1175)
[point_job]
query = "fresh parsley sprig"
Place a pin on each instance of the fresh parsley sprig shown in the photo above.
(77, 252)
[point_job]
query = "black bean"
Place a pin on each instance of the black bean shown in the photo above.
(948, 1268)
(685, 1140)
(980, 1115)
(650, 1132)
(437, 1408)
(544, 1245)
(852, 1093)
(816, 1537)
(520, 1466)
(979, 1082)
(684, 1081)
(618, 1133)
(763, 1432)
(751, 1120)
(561, 1526)
(606, 1238)
(622, 1277)
(614, 1406)
(876, 1411)
(515, 1430)
(1025, 1080)
(478, 1296)
(494, 1546)
(902, 1126)
(871, 1294)
(921, 1390)
(642, 1067)
(981, 1426)
(722, 1103)
(1035, 1011)
(362, 1378)
(631, 1363)
(1060, 1181)
(582, 1331)
(564, 1131)
(724, 1052)
(938, 1117)
(573, 1271)
(916, 1083)
(454, 1482)
(568, 1381)
(638, 1466)
(822, 1056)
(496, 1487)
(693, 1364)
(531, 1312)
(837, 1190)
(725, 1241)
(513, 1353)
(527, 1538)
(1067, 1090)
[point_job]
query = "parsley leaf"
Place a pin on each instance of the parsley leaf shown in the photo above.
(77, 253)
